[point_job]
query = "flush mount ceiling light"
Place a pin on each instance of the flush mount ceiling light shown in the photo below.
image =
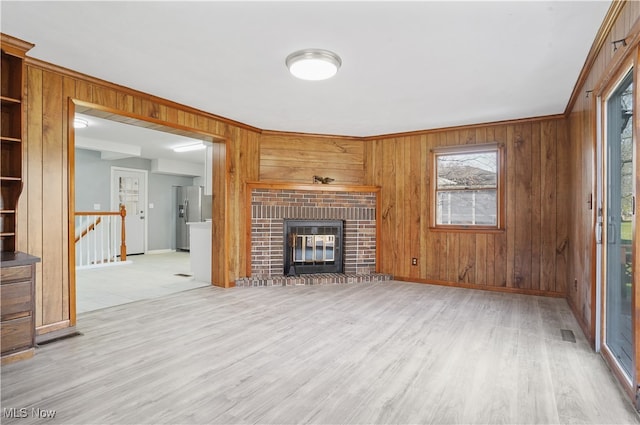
(191, 147)
(313, 64)
(80, 123)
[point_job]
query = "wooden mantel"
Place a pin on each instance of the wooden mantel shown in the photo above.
(309, 187)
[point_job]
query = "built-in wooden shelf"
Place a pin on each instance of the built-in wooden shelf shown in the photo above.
(17, 269)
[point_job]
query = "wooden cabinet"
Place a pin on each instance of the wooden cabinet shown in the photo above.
(17, 269)
(11, 111)
(17, 306)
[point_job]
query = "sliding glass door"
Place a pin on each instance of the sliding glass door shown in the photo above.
(619, 219)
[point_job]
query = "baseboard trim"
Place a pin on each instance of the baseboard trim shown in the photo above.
(57, 334)
(18, 356)
(52, 327)
(483, 287)
(160, 251)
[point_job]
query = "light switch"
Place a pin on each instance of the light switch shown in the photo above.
(150, 205)
(96, 207)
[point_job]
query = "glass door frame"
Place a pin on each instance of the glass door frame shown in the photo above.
(629, 383)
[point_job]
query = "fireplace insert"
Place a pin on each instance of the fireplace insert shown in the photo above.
(313, 246)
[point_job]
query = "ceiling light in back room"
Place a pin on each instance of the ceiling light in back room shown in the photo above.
(80, 123)
(313, 64)
(190, 147)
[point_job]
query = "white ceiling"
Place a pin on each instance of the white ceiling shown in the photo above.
(406, 65)
(117, 140)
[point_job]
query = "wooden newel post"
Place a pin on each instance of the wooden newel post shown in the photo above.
(123, 238)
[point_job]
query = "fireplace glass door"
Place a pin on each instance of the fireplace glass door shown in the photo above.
(313, 246)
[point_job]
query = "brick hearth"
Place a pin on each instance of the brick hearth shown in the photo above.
(312, 279)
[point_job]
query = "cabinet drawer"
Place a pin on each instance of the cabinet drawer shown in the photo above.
(15, 298)
(16, 334)
(15, 273)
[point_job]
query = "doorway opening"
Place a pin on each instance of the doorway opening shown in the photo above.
(127, 161)
(615, 220)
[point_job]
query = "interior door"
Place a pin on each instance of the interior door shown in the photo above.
(129, 188)
(619, 216)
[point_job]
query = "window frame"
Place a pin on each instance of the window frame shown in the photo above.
(496, 147)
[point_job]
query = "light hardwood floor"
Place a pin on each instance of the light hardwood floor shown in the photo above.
(362, 353)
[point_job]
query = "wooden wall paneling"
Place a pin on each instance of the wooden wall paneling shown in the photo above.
(481, 265)
(444, 255)
(171, 116)
(491, 260)
(34, 177)
(469, 136)
(244, 158)
(84, 91)
(501, 239)
(397, 227)
(412, 197)
(511, 210)
(586, 291)
(219, 243)
(368, 155)
(467, 266)
(548, 206)
(389, 209)
(234, 215)
(189, 120)
(146, 108)
(467, 257)
(481, 259)
(403, 235)
(580, 175)
(180, 118)
(104, 96)
(126, 102)
(589, 285)
(52, 195)
(452, 138)
(575, 162)
(297, 158)
(71, 217)
(536, 222)
(433, 240)
(378, 172)
(68, 92)
(22, 211)
(522, 223)
(489, 263)
(423, 233)
(562, 221)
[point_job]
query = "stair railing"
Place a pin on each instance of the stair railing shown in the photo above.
(96, 237)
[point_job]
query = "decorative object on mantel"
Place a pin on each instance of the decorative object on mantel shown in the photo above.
(323, 180)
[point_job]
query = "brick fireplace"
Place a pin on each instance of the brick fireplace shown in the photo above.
(272, 204)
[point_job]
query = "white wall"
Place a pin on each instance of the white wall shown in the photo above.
(92, 185)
